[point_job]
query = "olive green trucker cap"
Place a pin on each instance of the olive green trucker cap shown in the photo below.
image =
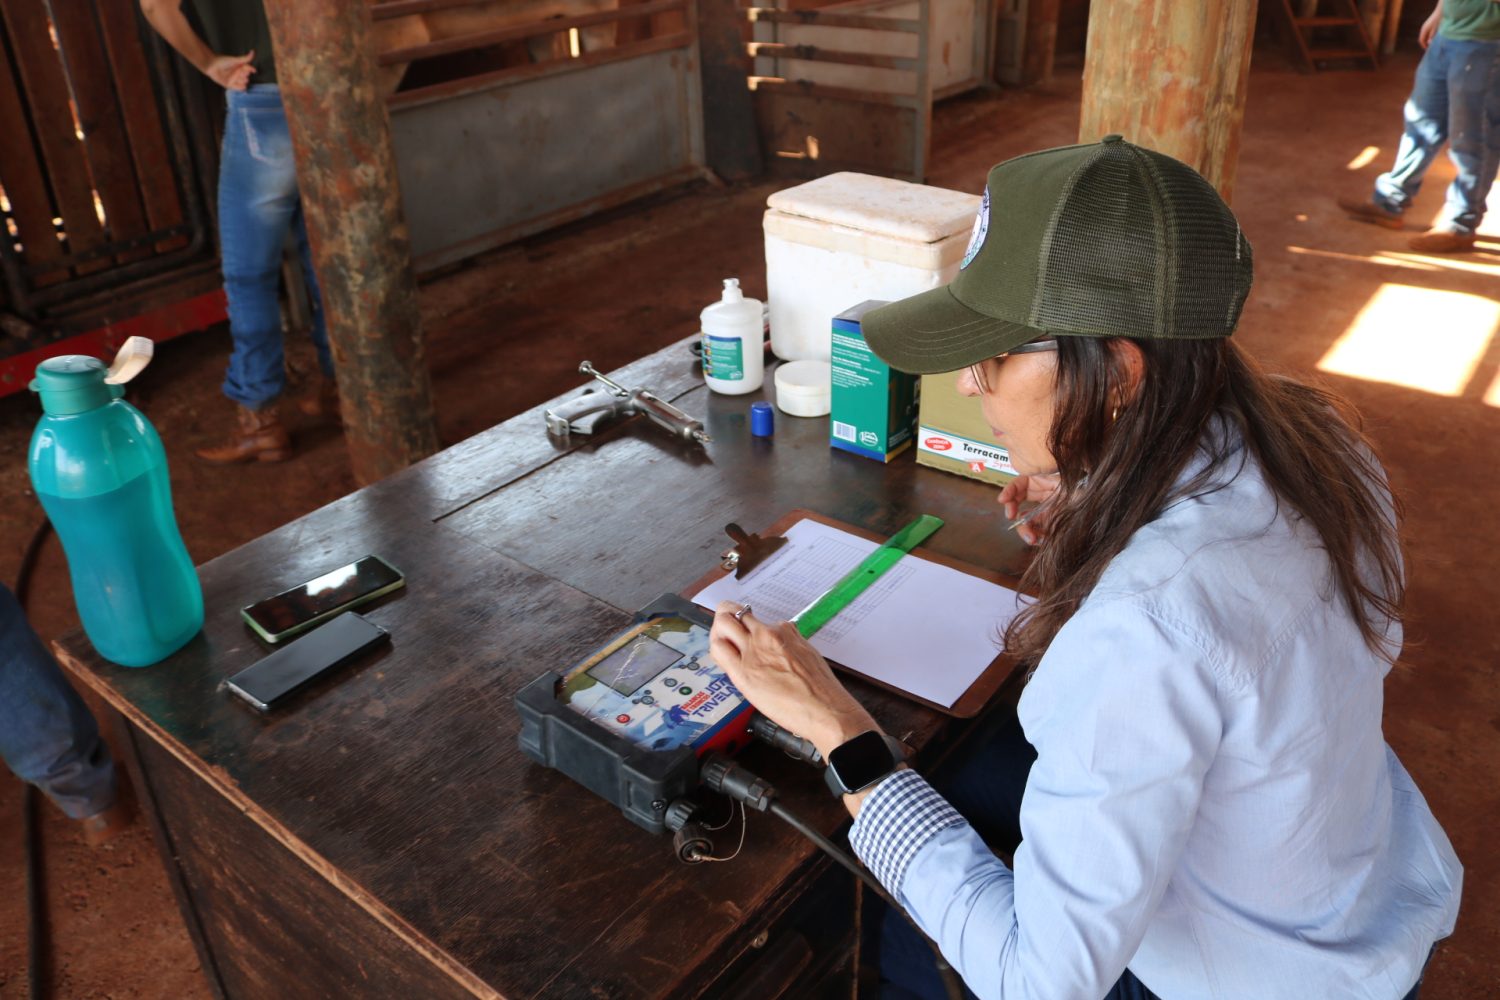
(1107, 239)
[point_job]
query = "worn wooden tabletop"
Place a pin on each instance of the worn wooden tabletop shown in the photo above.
(400, 781)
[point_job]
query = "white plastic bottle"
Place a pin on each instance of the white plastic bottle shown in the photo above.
(733, 342)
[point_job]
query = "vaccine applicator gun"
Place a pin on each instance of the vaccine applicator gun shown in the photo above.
(585, 412)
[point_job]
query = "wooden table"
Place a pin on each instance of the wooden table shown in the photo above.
(384, 835)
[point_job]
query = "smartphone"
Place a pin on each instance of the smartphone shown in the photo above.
(294, 611)
(273, 679)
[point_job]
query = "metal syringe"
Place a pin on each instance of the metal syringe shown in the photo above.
(660, 412)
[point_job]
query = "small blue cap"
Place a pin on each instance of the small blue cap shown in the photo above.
(762, 420)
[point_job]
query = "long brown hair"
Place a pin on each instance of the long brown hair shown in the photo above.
(1119, 470)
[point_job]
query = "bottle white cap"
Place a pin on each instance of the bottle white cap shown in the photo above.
(732, 291)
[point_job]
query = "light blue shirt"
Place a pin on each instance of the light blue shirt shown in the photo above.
(1213, 804)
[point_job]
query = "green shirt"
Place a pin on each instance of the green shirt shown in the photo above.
(1471, 20)
(234, 27)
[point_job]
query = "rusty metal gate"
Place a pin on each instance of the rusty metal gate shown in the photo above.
(103, 145)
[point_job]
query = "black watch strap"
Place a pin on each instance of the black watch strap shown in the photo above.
(862, 761)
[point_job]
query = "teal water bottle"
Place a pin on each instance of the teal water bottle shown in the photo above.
(100, 471)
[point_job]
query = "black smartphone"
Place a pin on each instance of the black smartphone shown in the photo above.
(294, 611)
(274, 678)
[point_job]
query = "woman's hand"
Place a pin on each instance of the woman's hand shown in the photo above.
(786, 679)
(1029, 489)
(231, 72)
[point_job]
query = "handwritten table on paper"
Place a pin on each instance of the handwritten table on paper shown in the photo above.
(923, 627)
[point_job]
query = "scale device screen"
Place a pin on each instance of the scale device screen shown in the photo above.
(657, 686)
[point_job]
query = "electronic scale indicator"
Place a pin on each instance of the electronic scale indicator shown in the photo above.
(657, 686)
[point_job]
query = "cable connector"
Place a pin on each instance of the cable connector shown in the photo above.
(723, 775)
(784, 740)
(691, 844)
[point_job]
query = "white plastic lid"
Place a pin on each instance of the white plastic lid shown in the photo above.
(803, 388)
(881, 206)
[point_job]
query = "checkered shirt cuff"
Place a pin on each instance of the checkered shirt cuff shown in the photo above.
(896, 821)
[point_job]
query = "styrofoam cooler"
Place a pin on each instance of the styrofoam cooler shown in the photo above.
(842, 239)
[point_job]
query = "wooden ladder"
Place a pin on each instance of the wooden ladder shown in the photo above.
(1349, 18)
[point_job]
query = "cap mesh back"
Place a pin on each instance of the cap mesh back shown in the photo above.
(1102, 268)
(1208, 263)
(1106, 239)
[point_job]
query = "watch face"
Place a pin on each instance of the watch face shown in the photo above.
(861, 761)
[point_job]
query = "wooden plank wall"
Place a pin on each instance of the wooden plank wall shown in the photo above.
(91, 168)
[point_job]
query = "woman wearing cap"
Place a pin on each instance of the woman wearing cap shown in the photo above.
(1212, 810)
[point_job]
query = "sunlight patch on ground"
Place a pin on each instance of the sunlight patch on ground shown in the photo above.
(1421, 338)
(1411, 261)
(1446, 263)
(1358, 258)
(1365, 158)
(1492, 396)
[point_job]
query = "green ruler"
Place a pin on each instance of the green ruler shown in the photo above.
(858, 580)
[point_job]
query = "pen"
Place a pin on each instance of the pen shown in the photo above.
(1033, 512)
(1043, 505)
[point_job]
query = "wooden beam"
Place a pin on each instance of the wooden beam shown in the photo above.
(1170, 76)
(812, 53)
(518, 32)
(834, 20)
(346, 172)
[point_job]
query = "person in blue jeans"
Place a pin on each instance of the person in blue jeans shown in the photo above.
(47, 736)
(1455, 99)
(258, 207)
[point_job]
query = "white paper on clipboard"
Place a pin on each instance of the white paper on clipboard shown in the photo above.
(923, 628)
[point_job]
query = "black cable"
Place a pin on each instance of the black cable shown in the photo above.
(951, 984)
(833, 851)
(729, 778)
(36, 914)
(36, 922)
(28, 561)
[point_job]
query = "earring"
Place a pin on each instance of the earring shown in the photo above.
(1114, 414)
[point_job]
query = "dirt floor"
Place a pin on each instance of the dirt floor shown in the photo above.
(1416, 345)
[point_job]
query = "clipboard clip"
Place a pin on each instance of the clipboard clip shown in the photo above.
(749, 551)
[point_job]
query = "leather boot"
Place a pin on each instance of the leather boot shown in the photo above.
(259, 437)
(1368, 211)
(321, 402)
(103, 827)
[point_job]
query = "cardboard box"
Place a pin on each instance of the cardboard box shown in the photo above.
(953, 435)
(874, 408)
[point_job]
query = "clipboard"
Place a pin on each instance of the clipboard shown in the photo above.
(984, 687)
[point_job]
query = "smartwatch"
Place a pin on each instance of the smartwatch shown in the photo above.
(862, 761)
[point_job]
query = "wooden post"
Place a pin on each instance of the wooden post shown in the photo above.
(1392, 26)
(1170, 76)
(731, 138)
(1041, 41)
(346, 172)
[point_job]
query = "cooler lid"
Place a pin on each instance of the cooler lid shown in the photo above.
(915, 213)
